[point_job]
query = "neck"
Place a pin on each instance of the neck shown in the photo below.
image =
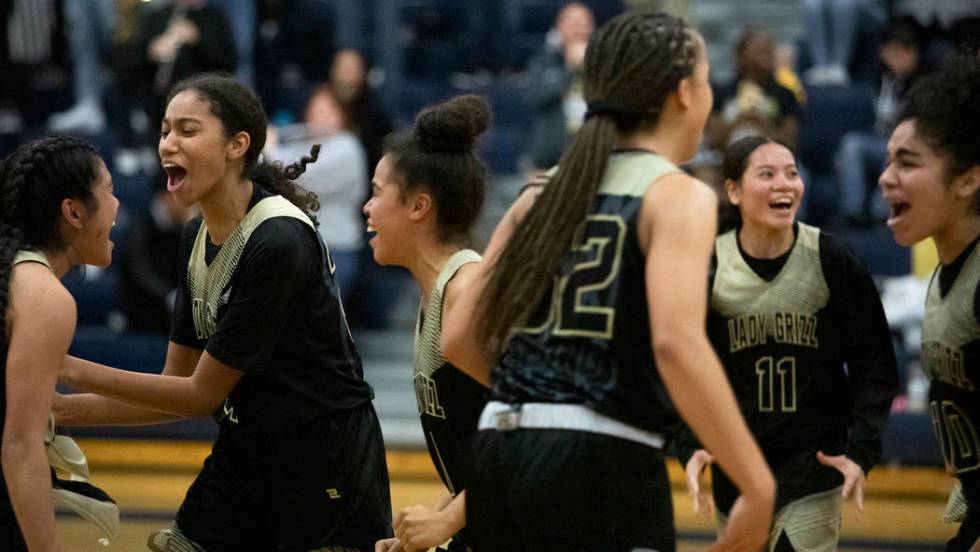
(428, 260)
(765, 243)
(60, 260)
(952, 241)
(225, 206)
(668, 140)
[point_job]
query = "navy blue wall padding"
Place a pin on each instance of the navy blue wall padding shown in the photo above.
(501, 148)
(138, 352)
(830, 112)
(878, 249)
(909, 438)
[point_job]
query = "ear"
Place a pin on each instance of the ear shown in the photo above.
(73, 212)
(238, 145)
(421, 204)
(967, 185)
(685, 93)
(733, 192)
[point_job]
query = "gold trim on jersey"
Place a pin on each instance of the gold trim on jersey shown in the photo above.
(427, 357)
(31, 256)
(782, 310)
(206, 282)
(631, 173)
(950, 324)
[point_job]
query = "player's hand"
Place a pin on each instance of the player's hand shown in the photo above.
(421, 528)
(387, 545)
(853, 478)
(704, 503)
(748, 524)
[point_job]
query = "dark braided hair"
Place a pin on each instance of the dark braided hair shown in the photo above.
(239, 110)
(632, 65)
(34, 180)
(439, 156)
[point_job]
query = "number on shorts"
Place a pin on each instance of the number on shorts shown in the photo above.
(767, 369)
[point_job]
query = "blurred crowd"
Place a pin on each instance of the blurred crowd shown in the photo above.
(346, 74)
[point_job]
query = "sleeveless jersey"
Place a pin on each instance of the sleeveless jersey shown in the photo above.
(778, 343)
(951, 361)
(22, 256)
(449, 401)
(588, 341)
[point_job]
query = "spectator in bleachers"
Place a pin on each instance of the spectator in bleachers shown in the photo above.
(338, 178)
(171, 43)
(148, 282)
(754, 103)
(555, 93)
(863, 153)
(90, 27)
(366, 117)
(947, 25)
(832, 28)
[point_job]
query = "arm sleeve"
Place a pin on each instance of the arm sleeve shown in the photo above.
(866, 346)
(273, 274)
(182, 331)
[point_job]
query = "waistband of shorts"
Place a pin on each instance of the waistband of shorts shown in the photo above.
(505, 417)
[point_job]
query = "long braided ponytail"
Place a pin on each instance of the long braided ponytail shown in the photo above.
(632, 64)
(34, 180)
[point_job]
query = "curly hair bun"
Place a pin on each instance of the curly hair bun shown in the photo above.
(454, 125)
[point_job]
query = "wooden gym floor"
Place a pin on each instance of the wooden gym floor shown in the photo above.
(148, 480)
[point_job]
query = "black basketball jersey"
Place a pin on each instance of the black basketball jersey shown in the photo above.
(449, 401)
(588, 341)
(805, 375)
(951, 361)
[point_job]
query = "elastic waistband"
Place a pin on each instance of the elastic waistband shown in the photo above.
(505, 417)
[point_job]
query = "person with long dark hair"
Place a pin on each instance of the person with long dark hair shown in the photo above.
(259, 339)
(797, 321)
(426, 196)
(589, 314)
(932, 184)
(56, 212)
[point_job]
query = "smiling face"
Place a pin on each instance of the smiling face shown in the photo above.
(389, 216)
(915, 185)
(92, 242)
(769, 192)
(194, 150)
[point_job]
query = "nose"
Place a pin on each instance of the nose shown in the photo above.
(367, 208)
(887, 178)
(167, 144)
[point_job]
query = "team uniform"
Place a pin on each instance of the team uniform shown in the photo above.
(449, 401)
(806, 347)
(951, 360)
(299, 462)
(569, 453)
(10, 536)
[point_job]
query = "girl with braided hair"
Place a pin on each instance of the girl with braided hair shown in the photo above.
(56, 212)
(259, 340)
(588, 318)
(426, 196)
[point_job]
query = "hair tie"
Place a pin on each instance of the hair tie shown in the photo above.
(612, 110)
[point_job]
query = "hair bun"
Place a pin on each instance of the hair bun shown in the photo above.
(454, 125)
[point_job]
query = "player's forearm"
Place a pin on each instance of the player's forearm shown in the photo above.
(87, 409)
(701, 392)
(25, 468)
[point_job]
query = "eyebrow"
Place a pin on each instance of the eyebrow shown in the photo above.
(906, 152)
(183, 120)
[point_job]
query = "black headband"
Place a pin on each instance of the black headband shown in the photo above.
(612, 110)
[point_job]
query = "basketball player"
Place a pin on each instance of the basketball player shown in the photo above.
(931, 182)
(590, 309)
(797, 322)
(56, 212)
(259, 339)
(426, 196)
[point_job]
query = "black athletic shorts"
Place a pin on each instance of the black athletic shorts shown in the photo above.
(11, 539)
(537, 490)
(968, 534)
(296, 489)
